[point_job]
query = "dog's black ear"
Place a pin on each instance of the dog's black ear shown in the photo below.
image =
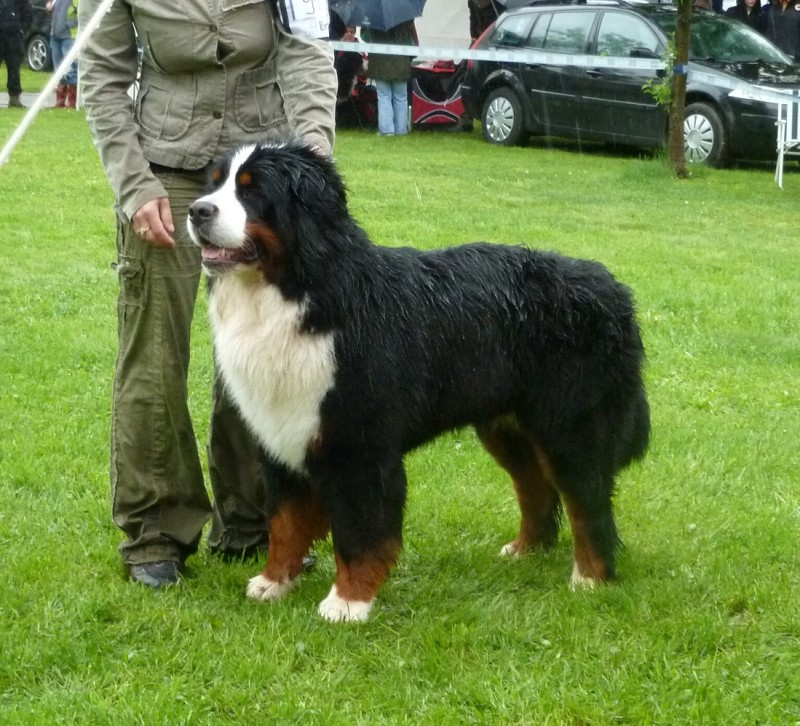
(317, 186)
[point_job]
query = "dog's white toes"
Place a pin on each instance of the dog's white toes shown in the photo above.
(510, 550)
(337, 610)
(260, 588)
(579, 581)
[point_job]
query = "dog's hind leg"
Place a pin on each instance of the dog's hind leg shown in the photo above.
(366, 508)
(534, 483)
(587, 498)
(293, 527)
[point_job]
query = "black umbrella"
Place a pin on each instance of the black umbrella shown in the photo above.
(377, 14)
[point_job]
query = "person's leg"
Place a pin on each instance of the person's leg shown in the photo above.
(58, 55)
(57, 52)
(159, 499)
(400, 107)
(239, 520)
(71, 76)
(385, 112)
(14, 54)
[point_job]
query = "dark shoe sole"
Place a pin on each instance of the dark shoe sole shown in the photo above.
(156, 575)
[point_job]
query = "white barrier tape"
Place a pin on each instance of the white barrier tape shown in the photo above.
(738, 89)
(507, 56)
(44, 95)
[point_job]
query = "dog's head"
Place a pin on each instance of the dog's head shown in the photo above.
(265, 202)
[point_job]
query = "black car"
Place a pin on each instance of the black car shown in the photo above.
(603, 103)
(37, 41)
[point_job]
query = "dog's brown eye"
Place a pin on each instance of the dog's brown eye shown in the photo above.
(216, 175)
(245, 179)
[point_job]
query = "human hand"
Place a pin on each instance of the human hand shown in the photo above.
(153, 222)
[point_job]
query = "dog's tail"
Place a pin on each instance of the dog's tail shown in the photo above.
(634, 437)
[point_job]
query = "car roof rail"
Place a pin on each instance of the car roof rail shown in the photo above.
(616, 3)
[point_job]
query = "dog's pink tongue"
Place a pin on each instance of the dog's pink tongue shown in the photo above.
(213, 253)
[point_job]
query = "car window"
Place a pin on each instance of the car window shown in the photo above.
(620, 33)
(512, 32)
(539, 32)
(715, 36)
(568, 32)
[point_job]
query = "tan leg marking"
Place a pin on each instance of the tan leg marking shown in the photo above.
(589, 567)
(292, 531)
(357, 583)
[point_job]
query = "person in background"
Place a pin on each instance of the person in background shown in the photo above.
(63, 25)
(336, 26)
(482, 13)
(349, 65)
(213, 76)
(15, 19)
(748, 11)
(780, 23)
(391, 74)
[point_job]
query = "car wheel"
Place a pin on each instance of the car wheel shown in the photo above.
(38, 53)
(704, 137)
(502, 119)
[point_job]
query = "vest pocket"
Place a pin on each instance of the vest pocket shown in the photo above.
(164, 113)
(258, 102)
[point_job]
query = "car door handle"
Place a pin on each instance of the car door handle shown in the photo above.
(594, 72)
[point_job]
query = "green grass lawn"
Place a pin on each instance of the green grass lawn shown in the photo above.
(703, 626)
(33, 81)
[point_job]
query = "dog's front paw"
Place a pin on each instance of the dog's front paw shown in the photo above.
(260, 588)
(580, 581)
(338, 610)
(512, 549)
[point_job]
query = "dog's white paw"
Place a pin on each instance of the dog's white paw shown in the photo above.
(260, 588)
(337, 610)
(511, 550)
(579, 581)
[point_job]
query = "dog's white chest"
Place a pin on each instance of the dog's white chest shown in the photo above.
(277, 374)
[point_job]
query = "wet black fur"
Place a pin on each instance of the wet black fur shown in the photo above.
(541, 347)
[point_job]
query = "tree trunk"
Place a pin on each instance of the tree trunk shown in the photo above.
(676, 151)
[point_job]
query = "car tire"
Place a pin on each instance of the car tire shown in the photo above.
(502, 120)
(705, 139)
(37, 54)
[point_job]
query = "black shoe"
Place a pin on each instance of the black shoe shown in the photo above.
(309, 562)
(156, 574)
(255, 552)
(241, 554)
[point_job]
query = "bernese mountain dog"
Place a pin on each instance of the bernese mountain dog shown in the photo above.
(343, 355)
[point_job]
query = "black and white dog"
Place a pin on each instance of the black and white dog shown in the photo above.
(343, 355)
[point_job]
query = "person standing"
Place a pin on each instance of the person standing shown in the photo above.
(391, 74)
(747, 11)
(63, 24)
(482, 14)
(16, 17)
(780, 23)
(213, 75)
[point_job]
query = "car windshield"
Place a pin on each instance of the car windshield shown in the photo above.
(724, 39)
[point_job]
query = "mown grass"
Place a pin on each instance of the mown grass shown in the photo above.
(33, 81)
(703, 626)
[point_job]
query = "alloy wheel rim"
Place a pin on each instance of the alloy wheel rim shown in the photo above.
(38, 56)
(698, 138)
(499, 119)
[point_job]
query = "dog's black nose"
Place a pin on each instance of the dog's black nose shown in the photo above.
(200, 212)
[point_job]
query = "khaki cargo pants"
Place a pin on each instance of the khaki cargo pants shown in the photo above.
(159, 498)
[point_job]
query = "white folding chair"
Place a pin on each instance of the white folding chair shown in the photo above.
(788, 124)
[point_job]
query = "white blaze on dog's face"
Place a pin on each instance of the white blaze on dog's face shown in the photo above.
(217, 222)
